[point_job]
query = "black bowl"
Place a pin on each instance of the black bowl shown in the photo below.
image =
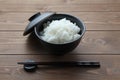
(60, 48)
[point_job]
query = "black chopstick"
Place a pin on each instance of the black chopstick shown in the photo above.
(65, 63)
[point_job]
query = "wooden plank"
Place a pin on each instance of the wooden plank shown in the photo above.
(91, 17)
(93, 42)
(60, 1)
(8, 26)
(110, 68)
(21, 7)
(89, 26)
(92, 20)
(94, 1)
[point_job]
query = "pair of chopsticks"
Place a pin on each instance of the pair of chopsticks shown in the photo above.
(64, 63)
(31, 65)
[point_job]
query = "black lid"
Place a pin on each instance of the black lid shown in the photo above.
(35, 19)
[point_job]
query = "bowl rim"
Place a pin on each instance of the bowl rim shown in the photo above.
(84, 29)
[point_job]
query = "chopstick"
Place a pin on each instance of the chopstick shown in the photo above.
(65, 63)
(31, 66)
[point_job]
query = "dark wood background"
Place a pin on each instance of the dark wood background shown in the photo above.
(101, 41)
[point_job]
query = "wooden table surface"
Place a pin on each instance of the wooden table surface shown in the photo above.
(101, 41)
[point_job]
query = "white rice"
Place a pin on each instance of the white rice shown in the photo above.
(60, 31)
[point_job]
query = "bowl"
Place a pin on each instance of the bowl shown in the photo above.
(59, 48)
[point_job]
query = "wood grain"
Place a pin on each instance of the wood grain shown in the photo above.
(17, 26)
(100, 42)
(93, 42)
(92, 20)
(110, 68)
(60, 2)
(21, 7)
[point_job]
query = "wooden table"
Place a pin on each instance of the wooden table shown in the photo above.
(101, 41)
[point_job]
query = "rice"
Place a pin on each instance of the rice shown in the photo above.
(60, 31)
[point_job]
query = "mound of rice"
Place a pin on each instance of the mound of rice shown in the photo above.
(60, 31)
